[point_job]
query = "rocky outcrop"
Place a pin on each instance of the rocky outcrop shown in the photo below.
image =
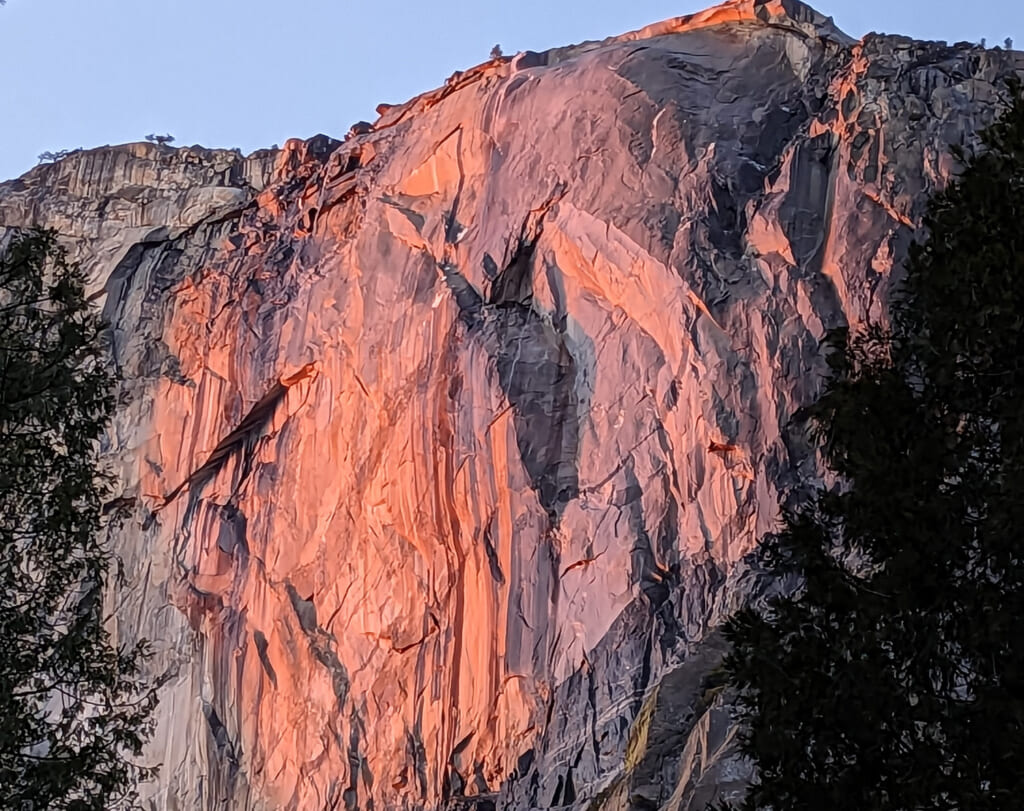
(106, 202)
(449, 443)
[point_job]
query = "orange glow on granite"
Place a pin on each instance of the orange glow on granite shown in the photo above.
(447, 441)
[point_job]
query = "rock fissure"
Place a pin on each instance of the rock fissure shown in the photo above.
(253, 422)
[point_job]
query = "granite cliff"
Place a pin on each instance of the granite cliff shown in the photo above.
(447, 445)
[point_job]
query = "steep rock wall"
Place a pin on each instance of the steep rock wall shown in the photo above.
(448, 443)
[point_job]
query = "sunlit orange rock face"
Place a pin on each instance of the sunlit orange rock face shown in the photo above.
(451, 443)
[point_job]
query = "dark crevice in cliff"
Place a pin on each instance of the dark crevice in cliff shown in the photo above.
(535, 370)
(358, 767)
(492, 554)
(232, 537)
(242, 437)
(224, 755)
(538, 374)
(595, 741)
(321, 644)
(261, 650)
(417, 755)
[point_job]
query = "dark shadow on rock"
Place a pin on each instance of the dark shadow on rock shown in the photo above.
(536, 371)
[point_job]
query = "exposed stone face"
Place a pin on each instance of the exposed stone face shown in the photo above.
(108, 201)
(448, 442)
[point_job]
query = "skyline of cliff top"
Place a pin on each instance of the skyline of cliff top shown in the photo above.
(248, 76)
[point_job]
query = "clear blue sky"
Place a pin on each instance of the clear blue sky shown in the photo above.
(251, 73)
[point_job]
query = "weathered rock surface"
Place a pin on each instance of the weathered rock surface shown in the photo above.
(447, 442)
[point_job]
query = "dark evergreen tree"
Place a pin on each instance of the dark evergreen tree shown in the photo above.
(74, 710)
(892, 677)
